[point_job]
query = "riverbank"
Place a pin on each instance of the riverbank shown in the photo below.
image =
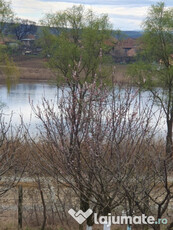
(36, 69)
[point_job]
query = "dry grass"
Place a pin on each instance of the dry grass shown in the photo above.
(34, 68)
(31, 69)
(120, 74)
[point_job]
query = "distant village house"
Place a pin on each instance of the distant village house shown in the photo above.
(28, 41)
(125, 51)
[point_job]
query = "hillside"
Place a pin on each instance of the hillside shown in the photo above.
(9, 30)
(133, 34)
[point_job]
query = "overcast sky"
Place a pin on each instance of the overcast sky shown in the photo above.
(124, 14)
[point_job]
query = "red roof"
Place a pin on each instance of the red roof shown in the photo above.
(128, 43)
(111, 42)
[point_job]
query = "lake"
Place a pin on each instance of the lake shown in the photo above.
(17, 101)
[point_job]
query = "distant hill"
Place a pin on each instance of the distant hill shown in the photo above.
(133, 34)
(8, 30)
(127, 34)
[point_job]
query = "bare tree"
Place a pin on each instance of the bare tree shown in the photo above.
(24, 27)
(91, 141)
(12, 154)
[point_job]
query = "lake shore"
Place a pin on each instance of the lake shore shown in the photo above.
(35, 69)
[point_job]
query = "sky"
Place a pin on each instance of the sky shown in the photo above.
(123, 14)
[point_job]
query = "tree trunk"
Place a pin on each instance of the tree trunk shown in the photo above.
(83, 206)
(170, 227)
(105, 227)
(44, 205)
(106, 211)
(169, 137)
(90, 222)
(81, 227)
(146, 207)
(20, 201)
(44, 211)
(157, 227)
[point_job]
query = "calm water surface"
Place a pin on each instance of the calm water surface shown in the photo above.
(17, 101)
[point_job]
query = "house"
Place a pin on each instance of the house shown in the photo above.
(128, 45)
(125, 51)
(111, 42)
(2, 42)
(9, 42)
(28, 41)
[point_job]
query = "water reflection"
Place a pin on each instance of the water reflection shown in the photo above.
(17, 101)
